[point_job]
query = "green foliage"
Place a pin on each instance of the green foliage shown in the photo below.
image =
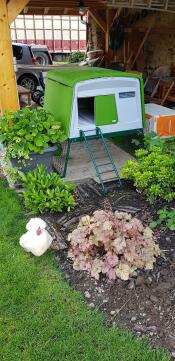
(42, 317)
(153, 173)
(151, 139)
(167, 145)
(166, 217)
(76, 57)
(27, 131)
(46, 192)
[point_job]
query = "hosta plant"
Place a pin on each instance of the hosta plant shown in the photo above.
(114, 244)
(46, 192)
(153, 173)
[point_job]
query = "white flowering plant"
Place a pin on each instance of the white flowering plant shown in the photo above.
(114, 244)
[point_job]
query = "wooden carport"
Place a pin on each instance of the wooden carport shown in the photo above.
(102, 11)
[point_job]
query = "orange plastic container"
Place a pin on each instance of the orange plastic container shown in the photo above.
(160, 120)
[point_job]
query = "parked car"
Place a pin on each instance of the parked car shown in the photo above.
(30, 54)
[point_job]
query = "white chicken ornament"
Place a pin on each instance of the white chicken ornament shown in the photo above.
(37, 239)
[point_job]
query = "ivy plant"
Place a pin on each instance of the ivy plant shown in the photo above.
(46, 192)
(27, 131)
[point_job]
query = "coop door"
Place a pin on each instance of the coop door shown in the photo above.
(105, 110)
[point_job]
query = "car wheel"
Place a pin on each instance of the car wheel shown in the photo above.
(28, 82)
(41, 58)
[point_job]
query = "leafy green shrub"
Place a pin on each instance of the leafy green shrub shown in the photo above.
(76, 57)
(27, 131)
(166, 217)
(153, 173)
(46, 192)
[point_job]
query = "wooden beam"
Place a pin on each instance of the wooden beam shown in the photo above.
(109, 19)
(99, 21)
(117, 14)
(46, 10)
(107, 32)
(14, 8)
(8, 88)
(143, 40)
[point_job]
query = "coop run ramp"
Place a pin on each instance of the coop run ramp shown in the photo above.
(102, 169)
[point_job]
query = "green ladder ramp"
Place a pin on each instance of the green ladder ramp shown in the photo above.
(100, 172)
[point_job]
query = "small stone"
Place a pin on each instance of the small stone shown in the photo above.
(87, 294)
(154, 299)
(151, 333)
(112, 313)
(152, 328)
(173, 354)
(172, 256)
(140, 328)
(100, 290)
(139, 281)
(148, 281)
(161, 334)
(91, 305)
(164, 272)
(133, 319)
(168, 239)
(131, 285)
(167, 302)
(173, 282)
(105, 301)
(164, 286)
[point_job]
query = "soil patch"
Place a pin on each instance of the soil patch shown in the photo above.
(146, 303)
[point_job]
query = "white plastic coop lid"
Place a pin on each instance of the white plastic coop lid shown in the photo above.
(156, 110)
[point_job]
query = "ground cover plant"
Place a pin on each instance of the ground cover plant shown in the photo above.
(46, 192)
(42, 318)
(153, 172)
(166, 218)
(114, 244)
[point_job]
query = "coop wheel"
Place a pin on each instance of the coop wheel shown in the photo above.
(40, 100)
(35, 95)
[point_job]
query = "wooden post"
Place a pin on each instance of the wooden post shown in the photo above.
(14, 7)
(107, 32)
(8, 89)
(109, 20)
(99, 21)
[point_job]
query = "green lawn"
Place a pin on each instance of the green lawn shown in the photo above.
(41, 317)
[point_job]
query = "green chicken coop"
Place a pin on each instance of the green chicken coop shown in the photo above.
(95, 103)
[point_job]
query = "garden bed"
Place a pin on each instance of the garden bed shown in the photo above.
(146, 303)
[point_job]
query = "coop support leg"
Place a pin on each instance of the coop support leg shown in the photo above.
(67, 158)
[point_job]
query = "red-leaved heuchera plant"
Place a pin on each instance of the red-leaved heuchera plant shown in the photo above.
(114, 244)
